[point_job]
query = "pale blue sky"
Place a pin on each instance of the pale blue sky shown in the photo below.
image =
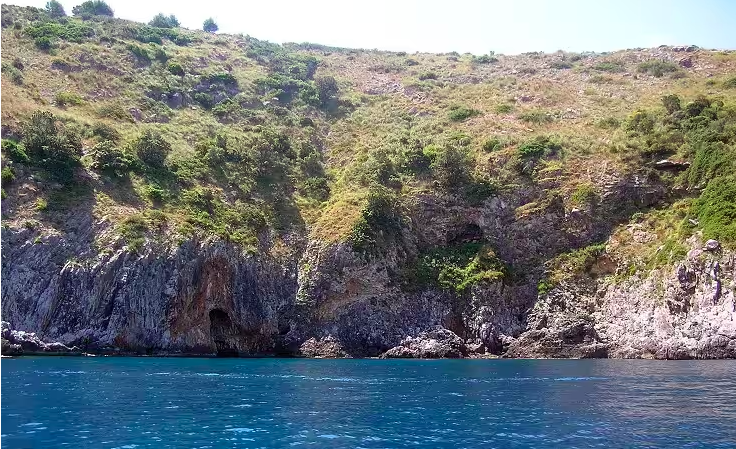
(460, 25)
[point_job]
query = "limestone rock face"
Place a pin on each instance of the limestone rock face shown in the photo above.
(325, 300)
(685, 312)
(180, 299)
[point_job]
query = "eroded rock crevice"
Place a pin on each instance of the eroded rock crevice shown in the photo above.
(224, 333)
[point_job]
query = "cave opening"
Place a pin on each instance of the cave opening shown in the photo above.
(471, 232)
(222, 331)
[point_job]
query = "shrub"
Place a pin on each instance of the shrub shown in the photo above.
(152, 35)
(451, 167)
(140, 52)
(154, 193)
(42, 204)
(55, 9)
(317, 188)
(379, 223)
(415, 161)
(326, 89)
(610, 66)
(697, 106)
(115, 111)
(671, 103)
(657, 67)
(485, 59)
(454, 268)
(221, 77)
(152, 148)
(54, 148)
(67, 98)
(427, 76)
(133, 230)
(493, 144)
(43, 43)
(640, 121)
(161, 21)
(93, 8)
(72, 31)
(16, 152)
(730, 83)
(561, 65)
(711, 160)
(15, 73)
(716, 209)
(105, 132)
(210, 26)
(572, 264)
(7, 176)
(503, 108)
(478, 190)
(109, 159)
(584, 195)
(538, 147)
(609, 123)
(537, 117)
(600, 79)
(461, 113)
(176, 69)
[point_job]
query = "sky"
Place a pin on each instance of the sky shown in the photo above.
(475, 26)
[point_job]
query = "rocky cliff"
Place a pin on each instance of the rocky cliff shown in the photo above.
(169, 191)
(212, 297)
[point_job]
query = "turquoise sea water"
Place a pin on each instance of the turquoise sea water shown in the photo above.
(50, 402)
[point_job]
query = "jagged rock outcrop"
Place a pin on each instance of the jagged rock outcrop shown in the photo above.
(211, 297)
(429, 344)
(27, 343)
(196, 297)
(685, 312)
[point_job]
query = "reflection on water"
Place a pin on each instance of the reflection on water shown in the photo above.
(272, 403)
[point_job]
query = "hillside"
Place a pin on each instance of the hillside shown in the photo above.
(170, 190)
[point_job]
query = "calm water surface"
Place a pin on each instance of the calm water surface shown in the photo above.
(99, 402)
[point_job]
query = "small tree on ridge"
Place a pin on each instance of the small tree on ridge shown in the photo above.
(210, 26)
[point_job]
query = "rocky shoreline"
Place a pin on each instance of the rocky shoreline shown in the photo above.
(61, 295)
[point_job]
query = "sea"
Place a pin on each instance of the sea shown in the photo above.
(146, 402)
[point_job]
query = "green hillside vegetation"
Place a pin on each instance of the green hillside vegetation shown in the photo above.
(171, 132)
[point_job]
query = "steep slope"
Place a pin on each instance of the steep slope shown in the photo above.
(199, 193)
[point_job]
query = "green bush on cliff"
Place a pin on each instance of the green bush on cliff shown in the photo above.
(103, 131)
(72, 31)
(162, 21)
(176, 69)
(109, 159)
(569, 265)
(52, 146)
(210, 26)
(656, 67)
(461, 113)
(14, 151)
(93, 8)
(133, 230)
(152, 148)
(7, 176)
(716, 209)
(55, 9)
(379, 223)
(538, 147)
(454, 268)
(451, 167)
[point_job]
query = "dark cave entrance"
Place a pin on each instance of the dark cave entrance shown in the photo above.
(471, 232)
(222, 331)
